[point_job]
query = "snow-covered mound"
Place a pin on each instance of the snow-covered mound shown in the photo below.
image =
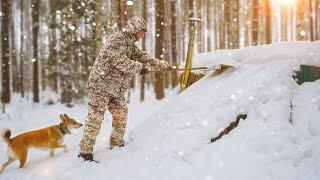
(302, 51)
(280, 139)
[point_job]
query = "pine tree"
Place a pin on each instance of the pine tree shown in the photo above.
(268, 22)
(5, 29)
(52, 62)
(21, 85)
(14, 64)
(255, 22)
(159, 80)
(35, 33)
(96, 28)
(174, 53)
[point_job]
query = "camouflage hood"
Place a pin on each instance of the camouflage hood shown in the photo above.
(134, 25)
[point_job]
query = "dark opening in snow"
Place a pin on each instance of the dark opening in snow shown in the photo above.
(230, 127)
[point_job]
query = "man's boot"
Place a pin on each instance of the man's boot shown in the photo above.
(115, 142)
(87, 157)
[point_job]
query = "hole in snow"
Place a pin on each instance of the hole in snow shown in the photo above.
(230, 127)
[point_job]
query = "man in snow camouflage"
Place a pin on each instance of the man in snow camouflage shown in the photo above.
(109, 79)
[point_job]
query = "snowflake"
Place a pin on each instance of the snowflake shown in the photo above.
(302, 33)
(204, 123)
(233, 97)
(129, 3)
(33, 60)
(72, 27)
(181, 153)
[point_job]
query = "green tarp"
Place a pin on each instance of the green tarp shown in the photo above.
(307, 74)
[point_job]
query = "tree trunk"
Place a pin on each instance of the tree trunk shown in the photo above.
(222, 31)
(235, 27)
(96, 28)
(119, 18)
(143, 77)
(301, 24)
(21, 86)
(53, 76)
(175, 79)
(68, 55)
(284, 22)
(5, 29)
(227, 25)
(159, 81)
(14, 64)
(311, 21)
(317, 19)
(268, 12)
(255, 22)
(35, 33)
(210, 22)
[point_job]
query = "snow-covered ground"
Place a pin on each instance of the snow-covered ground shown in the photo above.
(170, 139)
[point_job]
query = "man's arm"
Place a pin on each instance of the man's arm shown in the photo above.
(143, 57)
(118, 58)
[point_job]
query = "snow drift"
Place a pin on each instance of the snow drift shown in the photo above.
(278, 140)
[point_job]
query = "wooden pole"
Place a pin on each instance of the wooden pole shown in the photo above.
(190, 52)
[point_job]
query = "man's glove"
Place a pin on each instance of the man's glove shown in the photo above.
(144, 70)
(173, 68)
(164, 64)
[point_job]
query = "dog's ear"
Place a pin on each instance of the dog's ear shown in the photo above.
(66, 116)
(62, 117)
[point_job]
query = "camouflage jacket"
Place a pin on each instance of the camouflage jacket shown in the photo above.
(116, 64)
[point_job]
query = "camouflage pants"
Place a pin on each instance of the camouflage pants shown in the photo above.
(97, 107)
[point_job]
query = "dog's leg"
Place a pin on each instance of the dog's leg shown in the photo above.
(51, 152)
(22, 157)
(55, 146)
(10, 160)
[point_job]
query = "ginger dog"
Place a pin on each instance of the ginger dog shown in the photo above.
(49, 138)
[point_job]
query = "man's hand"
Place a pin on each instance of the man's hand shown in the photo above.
(173, 68)
(144, 71)
(164, 64)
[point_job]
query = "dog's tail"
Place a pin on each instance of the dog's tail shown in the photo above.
(5, 134)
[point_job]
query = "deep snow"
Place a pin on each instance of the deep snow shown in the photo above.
(170, 139)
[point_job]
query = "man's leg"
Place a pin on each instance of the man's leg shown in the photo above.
(92, 127)
(118, 109)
